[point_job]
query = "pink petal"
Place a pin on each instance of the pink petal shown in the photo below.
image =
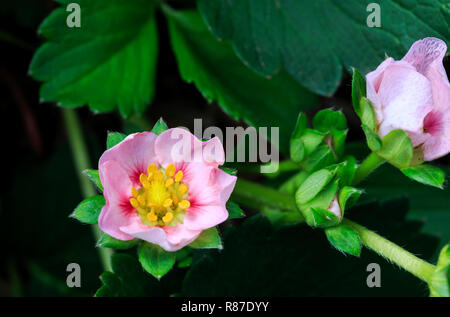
(200, 217)
(134, 154)
(178, 146)
(405, 98)
(426, 56)
(438, 143)
(117, 210)
(335, 208)
(181, 235)
(169, 238)
(208, 202)
(373, 82)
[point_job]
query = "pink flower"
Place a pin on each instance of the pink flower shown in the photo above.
(413, 94)
(163, 189)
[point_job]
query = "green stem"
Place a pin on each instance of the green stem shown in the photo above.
(393, 252)
(367, 166)
(257, 196)
(81, 160)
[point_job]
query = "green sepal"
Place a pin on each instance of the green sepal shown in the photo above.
(155, 260)
(345, 239)
(346, 171)
(159, 127)
(234, 210)
(322, 218)
(297, 150)
(208, 239)
(316, 211)
(293, 183)
(367, 117)
(114, 138)
(373, 140)
(328, 120)
(94, 176)
(338, 142)
(89, 209)
(106, 241)
(300, 126)
(322, 156)
(348, 196)
(439, 282)
(313, 185)
(397, 149)
(426, 174)
(358, 90)
(229, 170)
(184, 257)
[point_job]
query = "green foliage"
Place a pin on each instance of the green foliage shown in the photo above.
(298, 261)
(234, 211)
(155, 260)
(345, 239)
(348, 197)
(426, 174)
(114, 138)
(219, 75)
(208, 239)
(310, 39)
(94, 177)
(89, 209)
(106, 241)
(127, 279)
(102, 64)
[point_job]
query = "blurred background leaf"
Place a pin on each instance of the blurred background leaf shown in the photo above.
(312, 40)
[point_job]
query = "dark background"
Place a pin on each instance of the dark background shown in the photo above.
(39, 186)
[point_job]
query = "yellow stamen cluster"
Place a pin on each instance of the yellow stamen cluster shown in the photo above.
(161, 200)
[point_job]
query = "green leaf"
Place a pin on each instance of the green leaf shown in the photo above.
(159, 127)
(208, 239)
(313, 185)
(358, 90)
(109, 62)
(345, 239)
(426, 174)
(114, 138)
(327, 120)
(212, 66)
(89, 209)
(397, 149)
(106, 241)
(373, 140)
(300, 126)
(94, 177)
(155, 260)
(313, 40)
(127, 279)
(234, 211)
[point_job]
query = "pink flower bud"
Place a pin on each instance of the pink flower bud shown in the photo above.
(155, 194)
(413, 94)
(335, 208)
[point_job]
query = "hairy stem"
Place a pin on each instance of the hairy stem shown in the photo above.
(81, 160)
(367, 166)
(393, 252)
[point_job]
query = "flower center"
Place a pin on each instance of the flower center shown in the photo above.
(161, 200)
